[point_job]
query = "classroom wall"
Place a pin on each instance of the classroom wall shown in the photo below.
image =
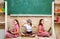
(57, 25)
(2, 17)
(1, 1)
(35, 21)
(57, 1)
(57, 30)
(2, 26)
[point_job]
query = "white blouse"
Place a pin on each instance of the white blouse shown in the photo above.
(28, 27)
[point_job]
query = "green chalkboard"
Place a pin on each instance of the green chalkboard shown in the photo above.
(30, 7)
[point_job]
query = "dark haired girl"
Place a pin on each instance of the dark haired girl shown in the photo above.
(15, 31)
(41, 31)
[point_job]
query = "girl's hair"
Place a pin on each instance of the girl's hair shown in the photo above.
(17, 22)
(40, 22)
(29, 21)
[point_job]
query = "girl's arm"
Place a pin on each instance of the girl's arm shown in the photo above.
(17, 31)
(34, 26)
(40, 31)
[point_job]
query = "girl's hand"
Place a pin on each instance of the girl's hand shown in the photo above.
(40, 31)
(12, 32)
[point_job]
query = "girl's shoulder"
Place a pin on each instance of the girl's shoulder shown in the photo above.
(17, 26)
(40, 25)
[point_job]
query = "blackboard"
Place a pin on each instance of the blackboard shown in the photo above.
(43, 7)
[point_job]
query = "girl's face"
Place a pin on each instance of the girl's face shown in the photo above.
(42, 21)
(28, 23)
(15, 22)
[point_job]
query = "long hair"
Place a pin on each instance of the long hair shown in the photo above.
(17, 22)
(31, 23)
(40, 22)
